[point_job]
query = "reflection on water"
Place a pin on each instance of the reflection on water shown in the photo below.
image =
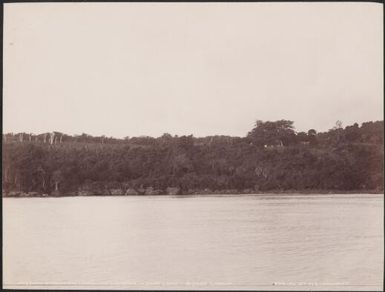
(198, 242)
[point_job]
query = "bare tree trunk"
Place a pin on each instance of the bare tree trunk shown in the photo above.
(51, 138)
(17, 182)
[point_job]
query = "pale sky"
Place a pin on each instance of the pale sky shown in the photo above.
(131, 69)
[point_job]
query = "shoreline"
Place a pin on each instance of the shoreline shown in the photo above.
(223, 193)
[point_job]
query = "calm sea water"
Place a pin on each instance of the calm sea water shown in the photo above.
(318, 242)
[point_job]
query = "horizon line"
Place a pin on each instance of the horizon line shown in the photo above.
(173, 135)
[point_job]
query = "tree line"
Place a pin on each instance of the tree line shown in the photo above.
(272, 157)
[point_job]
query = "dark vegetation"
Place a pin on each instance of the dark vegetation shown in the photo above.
(271, 158)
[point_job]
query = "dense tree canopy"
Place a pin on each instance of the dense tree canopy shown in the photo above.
(271, 157)
(272, 133)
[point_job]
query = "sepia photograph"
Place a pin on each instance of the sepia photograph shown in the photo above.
(193, 146)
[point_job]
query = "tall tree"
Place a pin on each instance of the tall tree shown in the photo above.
(272, 133)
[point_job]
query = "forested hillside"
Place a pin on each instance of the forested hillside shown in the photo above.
(272, 157)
